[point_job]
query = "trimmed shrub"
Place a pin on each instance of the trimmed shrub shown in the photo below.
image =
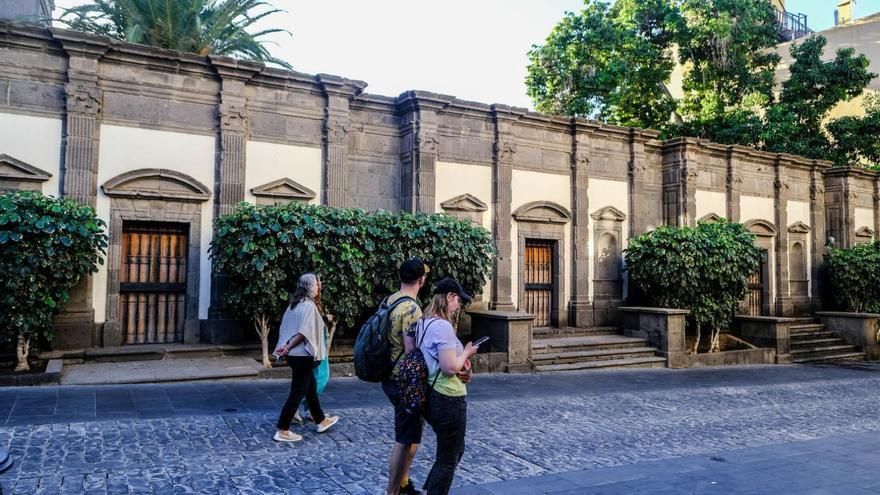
(855, 277)
(703, 269)
(46, 246)
(262, 250)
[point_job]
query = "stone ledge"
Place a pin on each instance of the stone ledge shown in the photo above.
(768, 319)
(845, 314)
(501, 315)
(651, 310)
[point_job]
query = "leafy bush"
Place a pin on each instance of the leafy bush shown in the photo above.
(46, 245)
(703, 269)
(855, 277)
(264, 249)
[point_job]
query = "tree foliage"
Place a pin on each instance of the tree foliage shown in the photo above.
(197, 26)
(264, 249)
(703, 269)
(46, 246)
(594, 64)
(855, 277)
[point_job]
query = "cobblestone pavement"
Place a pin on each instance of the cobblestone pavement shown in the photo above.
(215, 437)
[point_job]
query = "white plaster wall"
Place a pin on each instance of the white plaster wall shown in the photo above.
(864, 218)
(755, 208)
(531, 186)
(35, 141)
(267, 162)
(455, 179)
(711, 202)
(123, 149)
(604, 193)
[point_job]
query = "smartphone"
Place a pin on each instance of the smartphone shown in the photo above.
(481, 340)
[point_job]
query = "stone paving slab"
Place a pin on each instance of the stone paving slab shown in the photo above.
(163, 370)
(214, 437)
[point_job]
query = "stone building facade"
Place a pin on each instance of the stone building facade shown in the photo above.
(161, 143)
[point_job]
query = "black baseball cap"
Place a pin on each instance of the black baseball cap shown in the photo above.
(411, 270)
(448, 285)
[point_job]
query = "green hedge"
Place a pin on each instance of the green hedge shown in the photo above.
(703, 269)
(855, 277)
(263, 250)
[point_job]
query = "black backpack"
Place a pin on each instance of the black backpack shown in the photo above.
(372, 351)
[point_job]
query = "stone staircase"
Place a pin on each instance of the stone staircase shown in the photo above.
(811, 342)
(565, 349)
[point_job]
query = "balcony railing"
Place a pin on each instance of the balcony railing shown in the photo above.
(792, 26)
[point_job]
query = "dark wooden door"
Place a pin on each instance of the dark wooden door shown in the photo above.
(538, 278)
(753, 304)
(152, 283)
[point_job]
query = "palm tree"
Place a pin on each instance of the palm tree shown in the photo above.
(197, 26)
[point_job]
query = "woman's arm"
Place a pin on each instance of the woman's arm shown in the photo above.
(295, 341)
(451, 364)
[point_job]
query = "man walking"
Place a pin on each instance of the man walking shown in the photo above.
(407, 426)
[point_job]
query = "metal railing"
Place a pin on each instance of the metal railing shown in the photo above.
(792, 25)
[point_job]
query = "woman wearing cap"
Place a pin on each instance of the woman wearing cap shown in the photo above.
(301, 339)
(448, 371)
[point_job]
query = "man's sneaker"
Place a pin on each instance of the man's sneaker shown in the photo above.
(409, 489)
(297, 418)
(287, 436)
(327, 423)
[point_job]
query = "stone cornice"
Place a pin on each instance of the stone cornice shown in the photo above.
(235, 69)
(77, 43)
(339, 86)
(415, 101)
(858, 172)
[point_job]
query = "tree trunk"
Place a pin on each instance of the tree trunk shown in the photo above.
(21, 351)
(261, 324)
(697, 341)
(716, 341)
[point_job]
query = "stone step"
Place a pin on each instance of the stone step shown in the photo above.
(804, 320)
(833, 358)
(804, 343)
(812, 327)
(645, 362)
(590, 343)
(821, 351)
(597, 355)
(549, 332)
(812, 335)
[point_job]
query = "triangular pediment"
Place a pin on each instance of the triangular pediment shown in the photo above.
(285, 188)
(711, 218)
(865, 232)
(543, 212)
(464, 202)
(154, 183)
(799, 228)
(609, 213)
(17, 170)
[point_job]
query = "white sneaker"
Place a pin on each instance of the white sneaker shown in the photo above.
(327, 423)
(297, 418)
(287, 436)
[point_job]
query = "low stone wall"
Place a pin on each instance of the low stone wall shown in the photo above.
(766, 331)
(665, 328)
(858, 329)
(510, 339)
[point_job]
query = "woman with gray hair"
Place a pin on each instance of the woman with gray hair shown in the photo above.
(301, 340)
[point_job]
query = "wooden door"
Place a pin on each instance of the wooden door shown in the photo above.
(753, 304)
(152, 283)
(538, 278)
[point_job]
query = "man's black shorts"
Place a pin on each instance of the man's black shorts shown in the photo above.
(407, 426)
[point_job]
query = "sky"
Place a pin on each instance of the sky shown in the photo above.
(472, 49)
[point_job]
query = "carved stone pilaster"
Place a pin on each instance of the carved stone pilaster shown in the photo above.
(419, 148)
(338, 93)
(79, 170)
(780, 199)
(637, 172)
(580, 306)
(818, 237)
(502, 195)
(734, 185)
(679, 183)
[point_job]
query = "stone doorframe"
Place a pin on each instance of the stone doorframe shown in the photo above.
(154, 195)
(765, 238)
(799, 274)
(545, 221)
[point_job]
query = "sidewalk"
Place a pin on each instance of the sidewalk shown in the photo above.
(161, 370)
